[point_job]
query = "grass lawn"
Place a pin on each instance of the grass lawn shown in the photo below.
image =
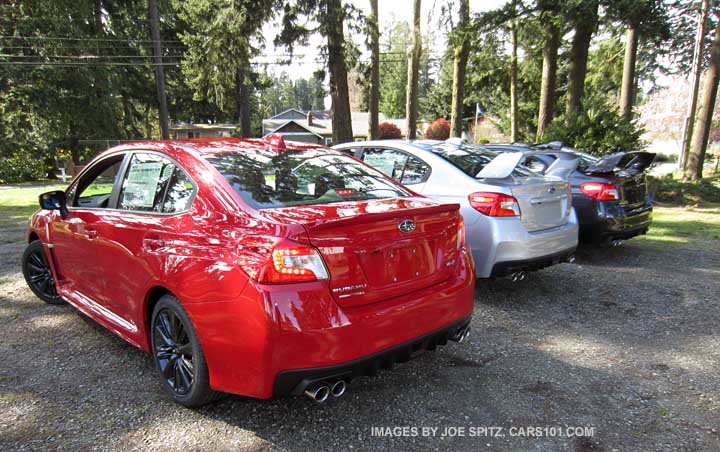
(685, 225)
(17, 204)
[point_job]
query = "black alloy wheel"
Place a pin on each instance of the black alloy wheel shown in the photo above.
(173, 351)
(38, 274)
(178, 355)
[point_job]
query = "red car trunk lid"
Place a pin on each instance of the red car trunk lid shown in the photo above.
(369, 257)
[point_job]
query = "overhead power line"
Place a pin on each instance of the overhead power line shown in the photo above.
(70, 63)
(82, 57)
(64, 38)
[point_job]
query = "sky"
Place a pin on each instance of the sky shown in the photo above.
(305, 61)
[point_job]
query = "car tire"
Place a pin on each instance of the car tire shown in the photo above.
(178, 355)
(38, 274)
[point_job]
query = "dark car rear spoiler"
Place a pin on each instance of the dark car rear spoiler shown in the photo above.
(630, 162)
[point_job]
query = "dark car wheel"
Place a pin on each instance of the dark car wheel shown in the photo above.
(38, 275)
(178, 355)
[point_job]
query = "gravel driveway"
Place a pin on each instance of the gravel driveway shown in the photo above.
(622, 346)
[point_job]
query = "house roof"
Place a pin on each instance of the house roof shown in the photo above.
(290, 113)
(296, 122)
(322, 123)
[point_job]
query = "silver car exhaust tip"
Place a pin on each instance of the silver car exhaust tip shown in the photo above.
(570, 259)
(318, 393)
(517, 276)
(338, 388)
(615, 243)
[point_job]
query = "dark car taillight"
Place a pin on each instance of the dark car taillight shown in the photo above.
(600, 191)
(495, 204)
(274, 261)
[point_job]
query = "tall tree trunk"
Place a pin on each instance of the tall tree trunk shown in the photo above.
(413, 74)
(159, 73)
(549, 76)
(513, 85)
(128, 131)
(461, 52)
(374, 106)
(695, 86)
(243, 103)
(584, 29)
(97, 13)
(703, 119)
(341, 118)
(627, 91)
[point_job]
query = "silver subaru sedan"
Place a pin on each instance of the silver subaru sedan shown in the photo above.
(516, 220)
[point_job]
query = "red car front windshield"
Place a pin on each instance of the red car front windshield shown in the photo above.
(267, 179)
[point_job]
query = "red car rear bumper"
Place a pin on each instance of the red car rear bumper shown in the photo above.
(260, 344)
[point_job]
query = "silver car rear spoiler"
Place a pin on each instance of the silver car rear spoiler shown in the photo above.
(503, 165)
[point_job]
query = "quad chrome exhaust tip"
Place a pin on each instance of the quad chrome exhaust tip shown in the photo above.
(616, 242)
(461, 335)
(322, 391)
(517, 276)
(338, 388)
(318, 393)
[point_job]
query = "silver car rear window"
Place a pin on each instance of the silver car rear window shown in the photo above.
(471, 159)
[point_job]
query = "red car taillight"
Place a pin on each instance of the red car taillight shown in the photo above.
(494, 204)
(461, 234)
(272, 260)
(600, 191)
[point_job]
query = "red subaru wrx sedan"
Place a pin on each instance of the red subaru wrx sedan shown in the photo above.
(252, 267)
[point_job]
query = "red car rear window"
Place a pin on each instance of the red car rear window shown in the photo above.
(270, 179)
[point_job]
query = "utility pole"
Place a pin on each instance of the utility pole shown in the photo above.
(695, 85)
(159, 73)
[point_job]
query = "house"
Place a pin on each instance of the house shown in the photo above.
(316, 127)
(186, 130)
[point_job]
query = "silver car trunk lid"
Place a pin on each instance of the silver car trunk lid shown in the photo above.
(544, 202)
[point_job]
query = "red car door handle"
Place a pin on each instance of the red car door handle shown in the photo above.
(152, 244)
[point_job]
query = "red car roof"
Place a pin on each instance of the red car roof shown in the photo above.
(210, 146)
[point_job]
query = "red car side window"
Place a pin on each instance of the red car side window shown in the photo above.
(154, 183)
(95, 188)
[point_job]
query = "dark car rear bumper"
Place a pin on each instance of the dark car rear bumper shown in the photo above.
(608, 220)
(508, 267)
(294, 382)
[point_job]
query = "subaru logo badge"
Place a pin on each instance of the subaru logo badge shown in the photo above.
(551, 190)
(407, 226)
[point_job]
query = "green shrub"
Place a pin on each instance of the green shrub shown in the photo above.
(21, 167)
(598, 130)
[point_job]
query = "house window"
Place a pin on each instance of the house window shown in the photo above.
(190, 135)
(328, 142)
